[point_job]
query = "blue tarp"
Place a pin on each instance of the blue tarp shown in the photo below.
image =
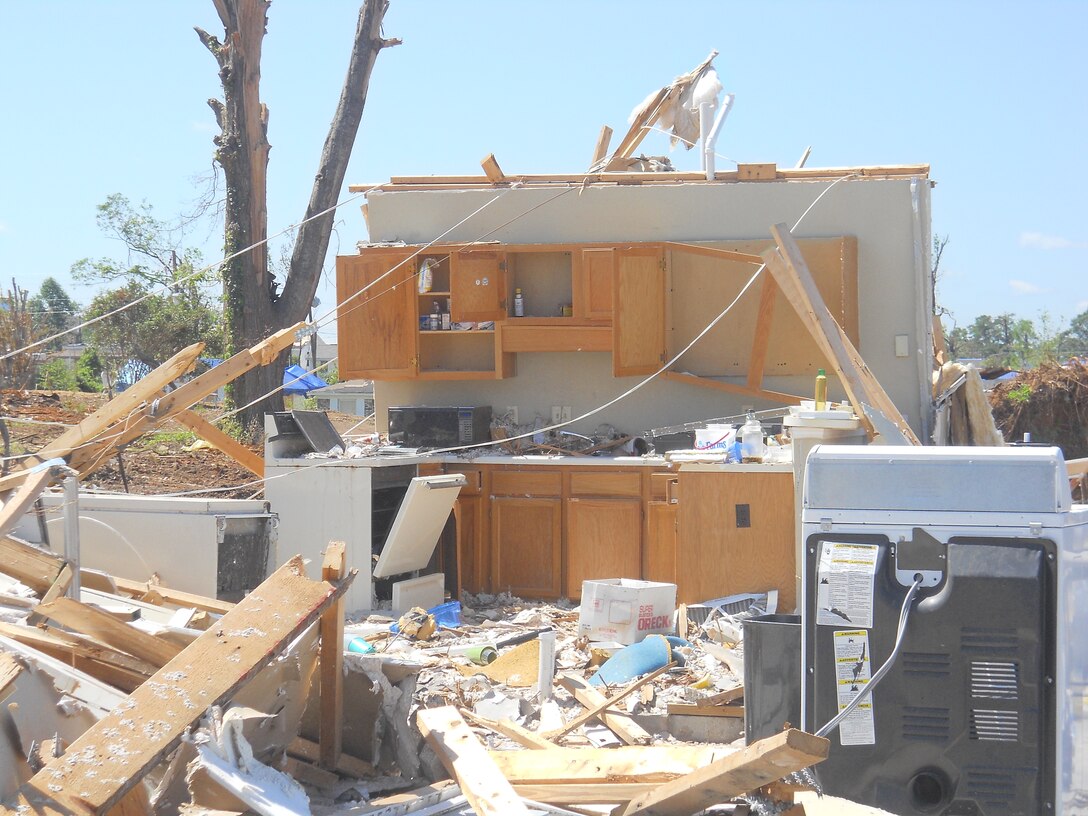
(297, 380)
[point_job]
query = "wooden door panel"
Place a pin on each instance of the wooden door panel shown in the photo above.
(376, 330)
(638, 311)
(595, 286)
(467, 514)
(603, 541)
(660, 551)
(477, 286)
(526, 543)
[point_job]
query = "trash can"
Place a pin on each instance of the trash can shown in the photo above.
(772, 675)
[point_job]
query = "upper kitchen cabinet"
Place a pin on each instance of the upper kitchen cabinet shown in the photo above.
(593, 273)
(478, 289)
(638, 310)
(376, 321)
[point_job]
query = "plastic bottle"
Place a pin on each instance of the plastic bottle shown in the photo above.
(436, 317)
(821, 390)
(751, 440)
(519, 304)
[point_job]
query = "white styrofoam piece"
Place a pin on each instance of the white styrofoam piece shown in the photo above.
(426, 591)
(419, 522)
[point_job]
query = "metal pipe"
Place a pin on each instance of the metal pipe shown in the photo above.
(71, 532)
(710, 132)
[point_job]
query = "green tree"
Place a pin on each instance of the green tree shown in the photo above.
(56, 376)
(1073, 342)
(52, 311)
(89, 371)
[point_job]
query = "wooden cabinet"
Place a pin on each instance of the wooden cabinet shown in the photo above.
(659, 555)
(736, 534)
(593, 283)
(526, 546)
(478, 288)
(603, 540)
(638, 311)
(376, 325)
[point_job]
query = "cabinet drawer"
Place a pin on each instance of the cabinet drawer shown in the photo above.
(526, 483)
(619, 483)
(663, 486)
(472, 480)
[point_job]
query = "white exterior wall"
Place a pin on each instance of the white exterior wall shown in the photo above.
(890, 219)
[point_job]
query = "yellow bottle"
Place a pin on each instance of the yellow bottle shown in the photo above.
(821, 390)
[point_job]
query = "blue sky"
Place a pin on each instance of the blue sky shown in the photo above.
(110, 96)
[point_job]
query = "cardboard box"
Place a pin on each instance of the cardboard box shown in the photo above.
(625, 610)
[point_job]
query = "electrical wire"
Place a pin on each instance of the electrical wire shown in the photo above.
(867, 690)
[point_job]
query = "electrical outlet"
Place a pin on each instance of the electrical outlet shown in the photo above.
(557, 414)
(512, 413)
(565, 414)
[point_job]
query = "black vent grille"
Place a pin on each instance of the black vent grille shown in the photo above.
(929, 724)
(996, 788)
(989, 641)
(994, 681)
(992, 725)
(927, 664)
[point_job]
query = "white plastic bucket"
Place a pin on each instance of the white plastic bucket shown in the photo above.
(715, 438)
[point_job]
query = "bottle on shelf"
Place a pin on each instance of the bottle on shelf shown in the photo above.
(821, 390)
(519, 303)
(751, 439)
(436, 317)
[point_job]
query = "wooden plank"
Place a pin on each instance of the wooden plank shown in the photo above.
(1077, 467)
(714, 252)
(722, 697)
(733, 388)
(23, 498)
(757, 172)
(348, 765)
(38, 569)
(768, 294)
(622, 725)
(90, 620)
(597, 710)
(792, 274)
(696, 710)
(155, 593)
(645, 119)
(759, 763)
(650, 763)
(60, 586)
(10, 669)
(222, 441)
(116, 410)
(522, 736)
(491, 169)
(122, 747)
(600, 150)
(581, 793)
(486, 789)
(331, 660)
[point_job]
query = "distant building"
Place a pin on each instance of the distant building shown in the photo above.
(351, 397)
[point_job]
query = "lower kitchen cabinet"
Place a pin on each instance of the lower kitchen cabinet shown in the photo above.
(659, 559)
(527, 545)
(604, 538)
(471, 570)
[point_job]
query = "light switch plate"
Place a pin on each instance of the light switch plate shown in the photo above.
(901, 346)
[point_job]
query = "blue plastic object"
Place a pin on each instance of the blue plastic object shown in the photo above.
(649, 654)
(447, 616)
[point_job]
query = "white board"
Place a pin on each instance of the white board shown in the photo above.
(419, 522)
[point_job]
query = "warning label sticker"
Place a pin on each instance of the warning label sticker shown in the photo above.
(845, 574)
(851, 677)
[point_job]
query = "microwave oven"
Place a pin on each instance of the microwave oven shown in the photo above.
(439, 426)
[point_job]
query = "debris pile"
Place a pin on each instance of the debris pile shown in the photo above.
(1047, 402)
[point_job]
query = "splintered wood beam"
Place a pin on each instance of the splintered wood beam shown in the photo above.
(113, 755)
(468, 762)
(761, 341)
(97, 659)
(596, 711)
(24, 498)
(750, 768)
(331, 661)
(347, 765)
(491, 169)
(649, 114)
(157, 594)
(732, 388)
(581, 793)
(600, 150)
(99, 624)
(722, 697)
(36, 568)
(794, 278)
(635, 763)
(10, 669)
(60, 586)
(222, 440)
(621, 724)
(522, 736)
(116, 410)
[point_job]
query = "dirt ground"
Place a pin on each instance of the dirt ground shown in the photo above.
(165, 461)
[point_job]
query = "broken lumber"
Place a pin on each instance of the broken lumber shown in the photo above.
(649, 763)
(222, 441)
(331, 661)
(111, 757)
(510, 730)
(622, 725)
(492, 170)
(33, 484)
(758, 764)
(606, 703)
(696, 710)
(347, 765)
(468, 762)
(722, 697)
(36, 568)
(99, 624)
(157, 594)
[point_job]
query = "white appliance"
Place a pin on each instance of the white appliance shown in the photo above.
(983, 710)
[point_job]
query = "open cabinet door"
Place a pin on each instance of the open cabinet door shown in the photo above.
(376, 331)
(477, 286)
(638, 310)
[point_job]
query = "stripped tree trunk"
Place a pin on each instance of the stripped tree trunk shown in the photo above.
(255, 307)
